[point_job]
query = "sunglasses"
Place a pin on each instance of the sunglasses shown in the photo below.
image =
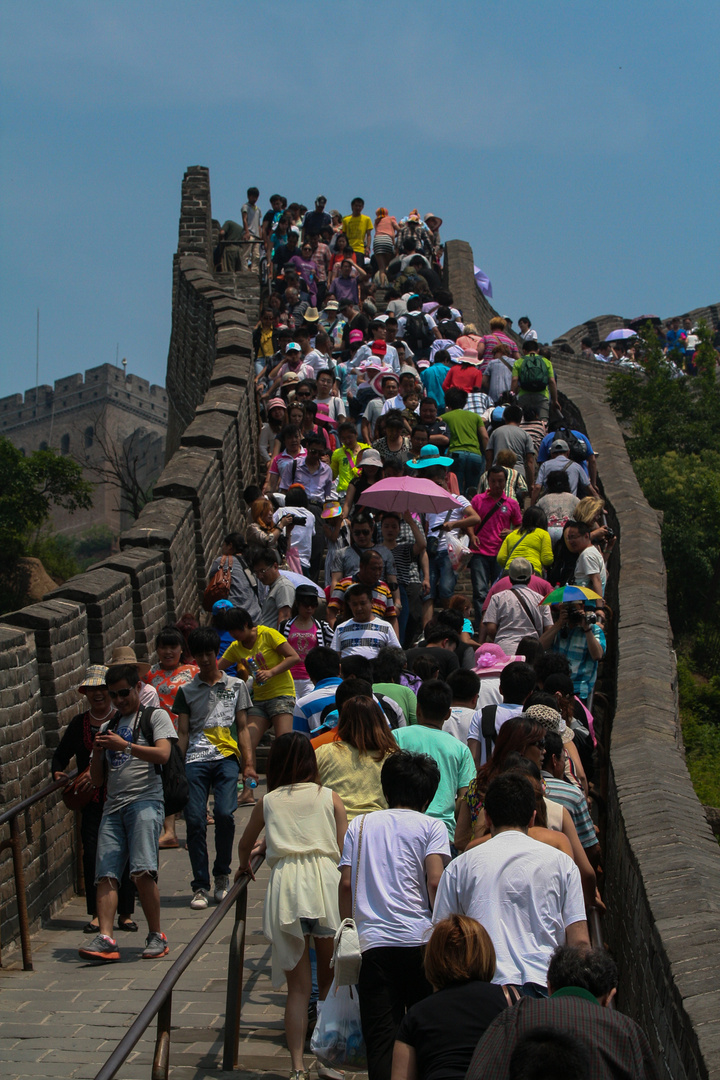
(362, 532)
(122, 694)
(540, 744)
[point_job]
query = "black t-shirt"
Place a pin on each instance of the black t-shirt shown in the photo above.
(446, 660)
(445, 1028)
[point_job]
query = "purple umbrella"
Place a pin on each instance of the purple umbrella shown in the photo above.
(620, 335)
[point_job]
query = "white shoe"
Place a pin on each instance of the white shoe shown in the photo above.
(222, 884)
(199, 900)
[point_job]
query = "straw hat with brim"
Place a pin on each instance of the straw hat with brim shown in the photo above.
(332, 305)
(311, 314)
(94, 676)
(551, 720)
(435, 218)
(429, 456)
(468, 358)
(126, 655)
(491, 660)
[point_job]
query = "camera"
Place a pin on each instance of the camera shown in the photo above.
(590, 617)
(609, 533)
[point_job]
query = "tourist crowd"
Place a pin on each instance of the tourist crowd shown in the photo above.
(414, 616)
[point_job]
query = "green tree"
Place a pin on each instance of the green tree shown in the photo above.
(29, 488)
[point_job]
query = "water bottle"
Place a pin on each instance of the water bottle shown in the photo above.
(252, 664)
(250, 782)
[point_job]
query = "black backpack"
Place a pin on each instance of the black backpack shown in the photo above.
(176, 790)
(418, 334)
(533, 375)
(449, 330)
(577, 448)
(487, 724)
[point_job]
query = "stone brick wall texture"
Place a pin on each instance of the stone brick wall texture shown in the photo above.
(662, 864)
(162, 566)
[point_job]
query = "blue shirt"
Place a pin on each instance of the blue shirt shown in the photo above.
(582, 666)
(308, 709)
(432, 379)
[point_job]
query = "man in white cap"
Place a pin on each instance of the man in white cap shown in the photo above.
(515, 613)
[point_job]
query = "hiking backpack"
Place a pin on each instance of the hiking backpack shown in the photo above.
(533, 376)
(176, 790)
(578, 448)
(418, 334)
(449, 330)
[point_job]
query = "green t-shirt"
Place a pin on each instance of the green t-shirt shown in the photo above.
(403, 695)
(454, 760)
(465, 427)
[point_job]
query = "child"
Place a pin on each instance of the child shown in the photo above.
(269, 658)
(409, 413)
(304, 632)
(364, 634)
(305, 828)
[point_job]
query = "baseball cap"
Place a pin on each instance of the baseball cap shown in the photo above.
(558, 446)
(355, 335)
(520, 570)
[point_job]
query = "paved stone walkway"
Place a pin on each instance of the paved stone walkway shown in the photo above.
(63, 1019)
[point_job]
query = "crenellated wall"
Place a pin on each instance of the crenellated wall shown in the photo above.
(162, 566)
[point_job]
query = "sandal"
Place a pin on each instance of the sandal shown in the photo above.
(128, 925)
(171, 843)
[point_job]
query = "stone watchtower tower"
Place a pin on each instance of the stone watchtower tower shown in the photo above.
(108, 422)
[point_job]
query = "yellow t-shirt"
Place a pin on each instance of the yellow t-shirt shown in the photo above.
(343, 471)
(353, 776)
(264, 653)
(356, 229)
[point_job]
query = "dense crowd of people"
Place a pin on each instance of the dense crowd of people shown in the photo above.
(414, 617)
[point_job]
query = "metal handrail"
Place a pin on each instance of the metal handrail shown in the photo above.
(10, 817)
(160, 1004)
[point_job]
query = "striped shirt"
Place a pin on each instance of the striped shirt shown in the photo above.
(309, 709)
(382, 601)
(363, 639)
(576, 805)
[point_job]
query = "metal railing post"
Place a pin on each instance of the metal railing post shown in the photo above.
(19, 874)
(161, 1060)
(233, 996)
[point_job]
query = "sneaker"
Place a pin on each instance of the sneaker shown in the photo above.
(222, 884)
(199, 900)
(298, 1074)
(155, 946)
(102, 948)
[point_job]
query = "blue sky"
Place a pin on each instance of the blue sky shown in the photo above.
(571, 143)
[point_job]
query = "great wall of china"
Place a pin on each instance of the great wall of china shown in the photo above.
(662, 867)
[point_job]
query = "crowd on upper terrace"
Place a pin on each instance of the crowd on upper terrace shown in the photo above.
(434, 747)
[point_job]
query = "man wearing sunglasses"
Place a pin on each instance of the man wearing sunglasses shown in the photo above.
(134, 810)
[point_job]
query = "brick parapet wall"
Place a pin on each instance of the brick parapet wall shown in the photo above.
(662, 863)
(162, 566)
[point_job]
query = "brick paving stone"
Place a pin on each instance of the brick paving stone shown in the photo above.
(62, 1020)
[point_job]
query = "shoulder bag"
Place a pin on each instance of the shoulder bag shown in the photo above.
(347, 957)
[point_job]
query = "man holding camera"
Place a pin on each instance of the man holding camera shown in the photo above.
(578, 634)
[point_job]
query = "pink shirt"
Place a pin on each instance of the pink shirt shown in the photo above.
(537, 584)
(386, 226)
(508, 516)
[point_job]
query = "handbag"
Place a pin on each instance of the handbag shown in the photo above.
(459, 552)
(74, 799)
(218, 587)
(347, 958)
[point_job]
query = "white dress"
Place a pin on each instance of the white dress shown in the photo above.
(303, 856)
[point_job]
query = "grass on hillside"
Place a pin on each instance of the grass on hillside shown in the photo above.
(700, 716)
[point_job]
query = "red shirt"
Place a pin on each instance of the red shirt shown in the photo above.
(508, 516)
(467, 378)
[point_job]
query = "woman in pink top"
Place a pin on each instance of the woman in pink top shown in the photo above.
(306, 633)
(386, 228)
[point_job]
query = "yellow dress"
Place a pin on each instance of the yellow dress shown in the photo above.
(303, 856)
(353, 776)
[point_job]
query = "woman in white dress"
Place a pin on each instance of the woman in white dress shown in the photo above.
(305, 828)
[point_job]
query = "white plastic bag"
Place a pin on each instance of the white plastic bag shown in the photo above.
(458, 545)
(337, 1039)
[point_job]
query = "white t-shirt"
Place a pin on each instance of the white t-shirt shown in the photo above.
(504, 712)
(335, 406)
(392, 906)
(363, 638)
(435, 522)
(458, 722)
(301, 535)
(512, 619)
(524, 893)
(590, 561)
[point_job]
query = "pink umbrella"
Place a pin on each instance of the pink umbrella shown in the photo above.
(403, 493)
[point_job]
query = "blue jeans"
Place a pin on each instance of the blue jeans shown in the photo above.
(222, 777)
(443, 578)
(468, 468)
(130, 833)
(483, 571)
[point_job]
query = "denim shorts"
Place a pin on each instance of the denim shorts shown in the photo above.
(272, 707)
(312, 928)
(132, 832)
